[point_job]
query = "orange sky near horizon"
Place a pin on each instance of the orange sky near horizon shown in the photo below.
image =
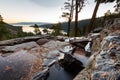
(43, 10)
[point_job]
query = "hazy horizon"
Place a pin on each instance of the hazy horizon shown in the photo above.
(14, 11)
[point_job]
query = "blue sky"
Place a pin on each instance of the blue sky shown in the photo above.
(43, 10)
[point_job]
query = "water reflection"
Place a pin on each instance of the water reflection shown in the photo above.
(16, 66)
(58, 73)
(27, 29)
(31, 29)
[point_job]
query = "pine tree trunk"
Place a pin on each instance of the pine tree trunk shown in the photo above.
(90, 28)
(70, 19)
(68, 32)
(76, 19)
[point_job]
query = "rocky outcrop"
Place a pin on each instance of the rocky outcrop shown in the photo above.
(22, 61)
(62, 69)
(104, 64)
(15, 48)
(44, 58)
(21, 40)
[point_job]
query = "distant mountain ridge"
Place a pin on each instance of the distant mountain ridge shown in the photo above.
(29, 23)
(64, 25)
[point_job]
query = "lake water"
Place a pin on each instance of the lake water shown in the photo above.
(27, 28)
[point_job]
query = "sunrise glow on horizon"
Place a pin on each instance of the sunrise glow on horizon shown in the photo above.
(14, 11)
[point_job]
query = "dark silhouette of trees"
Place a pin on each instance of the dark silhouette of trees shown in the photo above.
(45, 31)
(98, 2)
(36, 30)
(79, 4)
(56, 29)
(1, 18)
(3, 31)
(69, 15)
(73, 6)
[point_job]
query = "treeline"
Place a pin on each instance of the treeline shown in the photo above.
(73, 8)
(8, 31)
(83, 25)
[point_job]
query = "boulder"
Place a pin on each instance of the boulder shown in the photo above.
(21, 40)
(18, 66)
(71, 64)
(24, 46)
(20, 62)
(50, 57)
(42, 41)
(54, 44)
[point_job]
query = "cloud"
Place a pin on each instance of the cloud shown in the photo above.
(48, 3)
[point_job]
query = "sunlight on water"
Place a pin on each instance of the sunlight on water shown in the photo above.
(28, 29)
(31, 29)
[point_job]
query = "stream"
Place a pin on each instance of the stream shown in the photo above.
(58, 73)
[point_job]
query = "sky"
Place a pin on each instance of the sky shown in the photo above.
(44, 10)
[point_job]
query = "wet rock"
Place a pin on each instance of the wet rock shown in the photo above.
(52, 53)
(82, 59)
(20, 62)
(51, 57)
(66, 48)
(80, 43)
(42, 41)
(16, 66)
(69, 69)
(71, 64)
(56, 72)
(42, 75)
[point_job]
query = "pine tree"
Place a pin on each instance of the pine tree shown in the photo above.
(1, 18)
(57, 29)
(69, 14)
(36, 30)
(98, 2)
(79, 4)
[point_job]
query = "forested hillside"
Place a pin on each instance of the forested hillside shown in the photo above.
(84, 24)
(8, 31)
